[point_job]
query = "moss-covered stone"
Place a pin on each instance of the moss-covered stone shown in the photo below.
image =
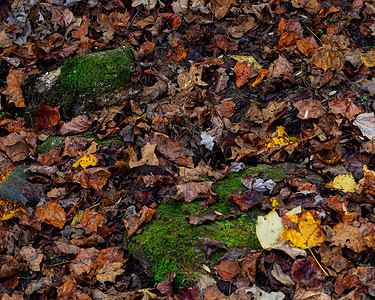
(170, 243)
(51, 142)
(86, 83)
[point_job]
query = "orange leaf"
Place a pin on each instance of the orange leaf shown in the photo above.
(46, 116)
(287, 39)
(14, 91)
(10, 209)
(303, 230)
(307, 46)
(227, 269)
(243, 73)
(174, 19)
(51, 213)
(224, 43)
(94, 177)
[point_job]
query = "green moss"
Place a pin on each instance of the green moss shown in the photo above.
(104, 70)
(51, 142)
(232, 183)
(172, 244)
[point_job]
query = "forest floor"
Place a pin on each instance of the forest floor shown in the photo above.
(227, 85)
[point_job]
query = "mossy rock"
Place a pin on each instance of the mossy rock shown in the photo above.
(170, 243)
(51, 142)
(86, 83)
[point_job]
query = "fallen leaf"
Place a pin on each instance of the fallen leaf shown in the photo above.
(46, 116)
(108, 271)
(194, 190)
(304, 269)
(307, 46)
(85, 262)
(33, 257)
(345, 183)
(67, 289)
(369, 59)
(10, 209)
(86, 161)
(222, 42)
(268, 230)
(76, 125)
(365, 123)
(303, 230)
(227, 269)
(348, 236)
(341, 208)
(90, 221)
(51, 213)
(135, 221)
(148, 4)
(94, 177)
(14, 91)
(327, 58)
(344, 106)
(368, 181)
(280, 66)
(287, 39)
(9, 266)
(173, 19)
(309, 108)
(220, 7)
(251, 61)
(165, 287)
(148, 157)
(243, 73)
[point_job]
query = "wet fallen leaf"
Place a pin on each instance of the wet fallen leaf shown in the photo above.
(174, 19)
(148, 4)
(303, 230)
(307, 46)
(220, 7)
(148, 157)
(304, 269)
(108, 271)
(369, 59)
(344, 106)
(243, 73)
(46, 116)
(9, 209)
(345, 183)
(341, 209)
(66, 290)
(280, 66)
(9, 266)
(33, 257)
(51, 213)
(165, 287)
(14, 91)
(86, 161)
(194, 190)
(76, 125)
(222, 42)
(268, 230)
(85, 262)
(227, 269)
(90, 221)
(287, 39)
(280, 139)
(309, 108)
(135, 221)
(328, 58)
(348, 236)
(94, 177)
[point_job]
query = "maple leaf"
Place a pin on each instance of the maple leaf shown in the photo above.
(303, 230)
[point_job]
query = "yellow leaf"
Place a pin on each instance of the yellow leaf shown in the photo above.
(86, 161)
(369, 59)
(282, 139)
(345, 183)
(140, 118)
(303, 230)
(249, 59)
(9, 209)
(274, 202)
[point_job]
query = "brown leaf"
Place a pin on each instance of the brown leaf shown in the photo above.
(135, 221)
(177, 53)
(32, 256)
(95, 178)
(76, 125)
(174, 19)
(51, 213)
(327, 58)
(46, 116)
(222, 42)
(148, 157)
(194, 190)
(85, 262)
(287, 39)
(304, 269)
(280, 66)
(108, 271)
(309, 108)
(243, 73)
(227, 269)
(348, 236)
(341, 208)
(83, 29)
(344, 106)
(14, 91)
(243, 27)
(171, 149)
(165, 287)
(9, 266)
(91, 221)
(226, 109)
(67, 248)
(66, 291)
(220, 7)
(307, 46)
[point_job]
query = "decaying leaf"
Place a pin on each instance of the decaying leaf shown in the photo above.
(94, 177)
(345, 183)
(9, 209)
(303, 230)
(51, 213)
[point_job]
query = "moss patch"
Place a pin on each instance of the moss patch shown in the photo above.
(103, 70)
(170, 243)
(51, 142)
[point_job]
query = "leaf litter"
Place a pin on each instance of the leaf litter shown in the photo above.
(224, 83)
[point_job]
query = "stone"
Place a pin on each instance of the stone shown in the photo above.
(12, 186)
(86, 83)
